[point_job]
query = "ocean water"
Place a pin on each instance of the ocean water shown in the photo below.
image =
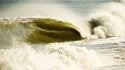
(103, 48)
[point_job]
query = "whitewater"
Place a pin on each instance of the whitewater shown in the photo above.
(62, 35)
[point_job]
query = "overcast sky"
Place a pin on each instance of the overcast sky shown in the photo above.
(14, 1)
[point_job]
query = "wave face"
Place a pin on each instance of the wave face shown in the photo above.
(37, 30)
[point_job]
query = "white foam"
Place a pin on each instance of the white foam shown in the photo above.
(111, 17)
(53, 57)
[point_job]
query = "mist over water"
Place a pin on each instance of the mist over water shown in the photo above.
(70, 13)
(96, 20)
(47, 9)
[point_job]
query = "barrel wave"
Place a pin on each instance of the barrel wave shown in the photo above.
(36, 30)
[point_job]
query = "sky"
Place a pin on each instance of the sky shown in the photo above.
(14, 1)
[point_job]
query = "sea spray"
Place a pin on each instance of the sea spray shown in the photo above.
(109, 20)
(22, 56)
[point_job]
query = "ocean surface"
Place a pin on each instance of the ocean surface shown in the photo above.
(99, 22)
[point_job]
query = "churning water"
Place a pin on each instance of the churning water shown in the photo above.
(99, 22)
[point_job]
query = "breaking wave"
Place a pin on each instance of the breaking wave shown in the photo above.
(106, 21)
(37, 30)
